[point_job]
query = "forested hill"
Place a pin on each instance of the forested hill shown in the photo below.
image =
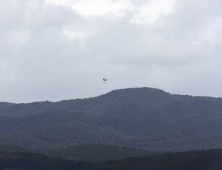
(148, 97)
(195, 160)
(4, 104)
(141, 97)
(144, 118)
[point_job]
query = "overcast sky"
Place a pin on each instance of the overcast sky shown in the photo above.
(62, 49)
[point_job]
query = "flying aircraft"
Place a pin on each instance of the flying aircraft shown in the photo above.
(104, 80)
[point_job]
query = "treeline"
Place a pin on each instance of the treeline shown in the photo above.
(95, 153)
(142, 118)
(193, 160)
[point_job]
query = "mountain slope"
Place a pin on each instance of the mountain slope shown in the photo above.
(5, 104)
(138, 96)
(194, 160)
(95, 153)
(143, 118)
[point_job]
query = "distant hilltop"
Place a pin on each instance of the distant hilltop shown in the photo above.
(144, 118)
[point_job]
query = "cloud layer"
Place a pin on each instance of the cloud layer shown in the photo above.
(55, 50)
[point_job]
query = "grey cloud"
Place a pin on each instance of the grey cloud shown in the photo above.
(139, 2)
(180, 53)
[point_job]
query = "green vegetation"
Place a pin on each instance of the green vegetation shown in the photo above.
(4, 104)
(193, 160)
(95, 153)
(10, 148)
(141, 118)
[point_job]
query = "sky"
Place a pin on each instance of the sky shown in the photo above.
(62, 49)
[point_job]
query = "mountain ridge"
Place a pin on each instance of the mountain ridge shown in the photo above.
(144, 118)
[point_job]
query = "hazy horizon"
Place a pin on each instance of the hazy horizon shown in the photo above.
(101, 95)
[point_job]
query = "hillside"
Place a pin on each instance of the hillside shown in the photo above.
(139, 96)
(95, 153)
(193, 160)
(4, 104)
(144, 118)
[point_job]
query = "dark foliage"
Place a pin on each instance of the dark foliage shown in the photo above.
(194, 160)
(95, 153)
(5, 104)
(144, 118)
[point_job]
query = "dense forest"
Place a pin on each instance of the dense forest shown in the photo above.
(193, 160)
(141, 118)
(95, 153)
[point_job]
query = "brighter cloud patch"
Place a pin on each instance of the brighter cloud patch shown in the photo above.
(145, 13)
